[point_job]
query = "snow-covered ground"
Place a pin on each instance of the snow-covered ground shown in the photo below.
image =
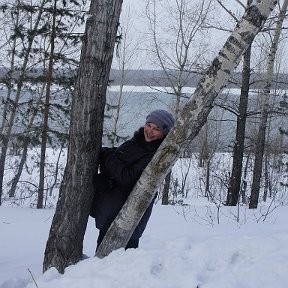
(181, 247)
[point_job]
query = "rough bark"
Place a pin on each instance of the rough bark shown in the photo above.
(238, 151)
(188, 124)
(65, 242)
(260, 142)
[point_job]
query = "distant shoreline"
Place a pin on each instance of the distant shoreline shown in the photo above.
(157, 78)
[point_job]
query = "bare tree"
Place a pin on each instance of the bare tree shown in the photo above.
(184, 36)
(238, 149)
(26, 32)
(192, 117)
(126, 54)
(260, 143)
(24, 145)
(179, 50)
(65, 242)
(46, 110)
(9, 122)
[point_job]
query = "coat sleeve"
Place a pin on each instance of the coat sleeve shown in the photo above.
(124, 175)
(104, 153)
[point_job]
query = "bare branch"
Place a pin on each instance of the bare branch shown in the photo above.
(228, 11)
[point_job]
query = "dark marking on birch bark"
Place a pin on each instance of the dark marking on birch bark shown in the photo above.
(228, 72)
(236, 42)
(162, 163)
(193, 105)
(247, 36)
(214, 68)
(254, 16)
(231, 45)
(223, 55)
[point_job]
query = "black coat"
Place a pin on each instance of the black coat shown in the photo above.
(120, 168)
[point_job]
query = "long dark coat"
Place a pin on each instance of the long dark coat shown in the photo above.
(120, 168)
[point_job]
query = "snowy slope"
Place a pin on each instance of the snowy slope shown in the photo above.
(182, 247)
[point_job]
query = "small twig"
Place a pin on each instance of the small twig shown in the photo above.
(228, 11)
(239, 2)
(32, 277)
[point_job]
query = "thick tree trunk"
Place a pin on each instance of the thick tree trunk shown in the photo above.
(236, 175)
(65, 242)
(188, 124)
(260, 142)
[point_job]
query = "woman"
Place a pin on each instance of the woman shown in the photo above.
(120, 168)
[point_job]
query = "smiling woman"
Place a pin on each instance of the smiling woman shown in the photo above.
(121, 167)
(152, 132)
(158, 124)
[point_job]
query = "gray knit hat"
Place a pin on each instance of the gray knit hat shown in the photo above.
(162, 118)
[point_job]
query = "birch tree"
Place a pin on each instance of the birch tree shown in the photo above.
(188, 124)
(260, 142)
(65, 242)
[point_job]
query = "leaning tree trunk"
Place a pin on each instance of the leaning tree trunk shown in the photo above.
(238, 151)
(260, 142)
(65, 242)
(188, 124)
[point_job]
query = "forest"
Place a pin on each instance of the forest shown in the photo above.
(37, 87)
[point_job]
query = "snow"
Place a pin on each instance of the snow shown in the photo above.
(183, 246)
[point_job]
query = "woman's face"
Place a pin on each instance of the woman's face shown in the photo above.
(152, 132)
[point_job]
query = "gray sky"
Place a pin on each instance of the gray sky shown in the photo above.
(214, 39)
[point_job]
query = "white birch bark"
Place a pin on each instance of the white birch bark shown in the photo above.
(188, 124)
(260, 142)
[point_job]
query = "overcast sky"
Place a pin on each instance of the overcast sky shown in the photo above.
(138, 27)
